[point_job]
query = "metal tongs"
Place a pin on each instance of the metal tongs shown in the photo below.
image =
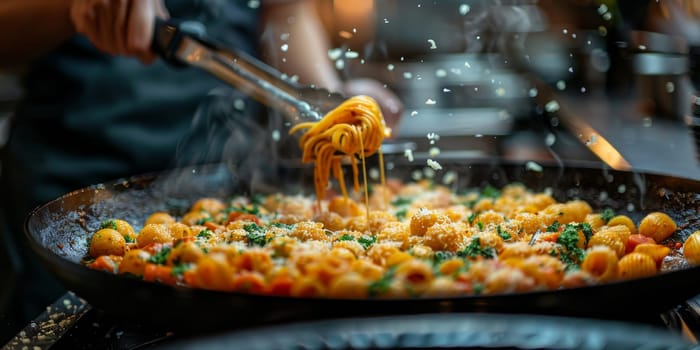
(185, 43)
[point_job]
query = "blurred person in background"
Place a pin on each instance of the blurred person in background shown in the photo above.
(99, 105)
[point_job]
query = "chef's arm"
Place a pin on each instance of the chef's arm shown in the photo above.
(31, 28)
(296, 25)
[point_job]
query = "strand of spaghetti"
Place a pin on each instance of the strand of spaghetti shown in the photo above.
(355, 128)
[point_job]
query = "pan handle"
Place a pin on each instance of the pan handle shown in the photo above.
(184, 43)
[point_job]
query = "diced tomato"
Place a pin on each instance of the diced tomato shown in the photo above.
(105, 263)
(159, 273)
(238, 216)
(212, 225)
(549, 236)
(636, 240)
(280, 285)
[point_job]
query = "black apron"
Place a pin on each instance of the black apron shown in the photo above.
(88, 117)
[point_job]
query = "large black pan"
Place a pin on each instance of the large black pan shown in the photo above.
(58, 232)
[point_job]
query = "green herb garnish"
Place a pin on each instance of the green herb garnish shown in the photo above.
(179, 269)
(472, 217)
(503, 234)
(382, 285)
(607, 214)
(490, 192)
(129, 239)
(206, 233)
(367, 241)
(572, 255)
(256, 234)
(474, 250)
(554, 227)
(109, 224)
(160, 257)
(401, 214)
(480, 225)
(441, 255)
(281, 225)
(401, 201)
(346, 237)
(202, 221)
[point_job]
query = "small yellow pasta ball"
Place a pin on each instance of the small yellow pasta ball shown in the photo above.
(308, 286)
(610, 240)
(415, 273)
(331, 220)
(530, 223)
(395, 231)
(655, 251)
(282, 245)
(367, 269)
(489, 217)
(456, 212)
(185, 252)
(449, 267)
(352, 246)
(179, 230)
(446, 236)
(309, 230)
(483, 204)
(541, 200)
(553, 212)
(134, 262)
(398, 258)
(423, 219)
(491, 239)
(210, 205)
(516, 250)
(691, 248)
(107, 242)
(623, 220)
(546, 271)
(343, 253)
(214, 272)
(636, 265)
(442, 286)
(348, 285)
(153, 233)
(380, 252)
(159, 218)
(621, 231)
(595, 221)
(601, 262)
(344, 207)
(123, 227)
(379, 219)
(576, 211)
(658, 226)
(422, 251)
(194, 217)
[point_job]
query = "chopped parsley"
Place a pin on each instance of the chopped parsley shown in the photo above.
(256, 234)
(474, 250)
(503, 234)
(554, 227)
(472, 217)
(382, 285)
(257, 199)
(160, 257)
(401, 201)
(441, 255)
(179, 269)
(206, 233)
(254, 209)
(346, 237)
(202, 221)
(480, 225)
(109, 224)
(129, 239)
(490, 192)
(607, 214)
(572, 255)
(587, 231)
(367, 241)
(478, 288)
(401, 214)
(281, 225)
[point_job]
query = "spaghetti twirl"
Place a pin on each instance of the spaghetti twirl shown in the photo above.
(355, 128)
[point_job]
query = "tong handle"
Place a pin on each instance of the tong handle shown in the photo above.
(185, 43)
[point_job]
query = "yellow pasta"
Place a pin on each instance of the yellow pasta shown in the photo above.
(691, 248)
(609, 239)
(107, 241)
(636, 265)
(356, 127)
(601, 262)
(658, 226)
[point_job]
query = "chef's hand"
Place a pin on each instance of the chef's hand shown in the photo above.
(391, 105)
(119, 27)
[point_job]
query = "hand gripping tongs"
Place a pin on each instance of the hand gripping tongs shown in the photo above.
(185, 43)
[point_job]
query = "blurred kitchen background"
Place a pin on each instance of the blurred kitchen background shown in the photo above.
(524, 79)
